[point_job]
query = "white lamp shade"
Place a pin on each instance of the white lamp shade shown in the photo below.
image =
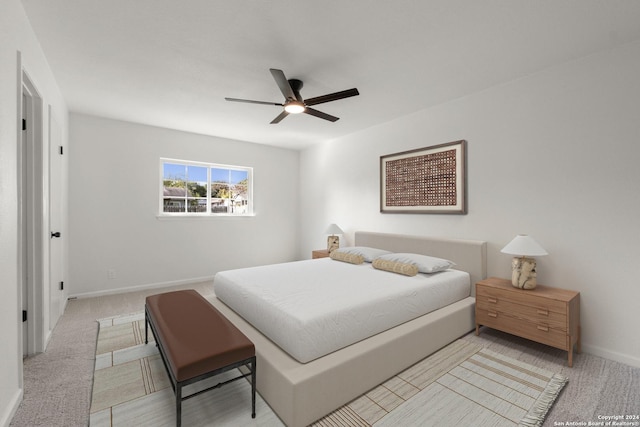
(524, 245)
(333, 229)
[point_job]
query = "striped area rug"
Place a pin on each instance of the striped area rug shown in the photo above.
(462, 384)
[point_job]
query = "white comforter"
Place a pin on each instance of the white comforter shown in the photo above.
(314, 307)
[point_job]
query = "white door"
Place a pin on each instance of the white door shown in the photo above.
(30, 193)
(56, 222)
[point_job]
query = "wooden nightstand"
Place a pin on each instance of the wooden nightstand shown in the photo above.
(546, 315)
(319, 253)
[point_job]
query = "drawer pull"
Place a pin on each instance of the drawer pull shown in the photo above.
(543, 328)
(543, 312)
(492, 300)
(492, 314)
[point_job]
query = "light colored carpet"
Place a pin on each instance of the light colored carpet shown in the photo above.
(462, 384)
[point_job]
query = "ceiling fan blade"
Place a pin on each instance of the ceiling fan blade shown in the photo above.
(253, 102)
(279, 118)
(332, 97)
(283, 83)
(321, 115)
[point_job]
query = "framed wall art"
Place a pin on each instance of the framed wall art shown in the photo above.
(426, 180)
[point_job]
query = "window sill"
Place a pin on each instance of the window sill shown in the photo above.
(170, 217)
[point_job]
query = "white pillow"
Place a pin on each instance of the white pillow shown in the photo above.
(369, 254)
(425, 264)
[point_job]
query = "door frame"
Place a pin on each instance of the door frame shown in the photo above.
(31, 214)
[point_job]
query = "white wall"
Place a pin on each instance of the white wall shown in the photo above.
(16, 35)
(554, 155)
(113, 204)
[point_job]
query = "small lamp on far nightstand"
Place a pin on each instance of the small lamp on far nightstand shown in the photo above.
(333, 241)
(523, 273)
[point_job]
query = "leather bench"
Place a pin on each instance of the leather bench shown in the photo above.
(197, 342)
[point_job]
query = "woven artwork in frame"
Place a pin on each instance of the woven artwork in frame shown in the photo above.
(426, 180)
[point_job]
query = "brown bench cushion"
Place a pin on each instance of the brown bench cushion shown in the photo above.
(196, 337)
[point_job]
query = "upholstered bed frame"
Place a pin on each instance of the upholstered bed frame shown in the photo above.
(302, 393)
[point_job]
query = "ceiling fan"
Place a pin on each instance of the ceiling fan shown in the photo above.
(293, 101)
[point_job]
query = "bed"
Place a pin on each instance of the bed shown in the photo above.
(310, 380)
(314, 307)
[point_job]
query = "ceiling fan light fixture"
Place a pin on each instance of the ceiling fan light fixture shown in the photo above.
(294, 103)
(294, 107)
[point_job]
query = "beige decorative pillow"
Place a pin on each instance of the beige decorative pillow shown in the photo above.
(395, 267)
(425, 264)
(347, 257)
(369, 254)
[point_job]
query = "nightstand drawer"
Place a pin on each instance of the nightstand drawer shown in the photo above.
(540, 332)
(530, 299)
(529, 313)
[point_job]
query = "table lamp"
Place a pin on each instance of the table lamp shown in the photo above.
(523, 273)
(333, 241)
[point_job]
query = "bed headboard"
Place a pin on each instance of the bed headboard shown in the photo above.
(469, 255)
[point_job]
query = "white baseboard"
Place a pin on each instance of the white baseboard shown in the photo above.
(611, 355)
(142, 287)
(47, 338)
(11, 409)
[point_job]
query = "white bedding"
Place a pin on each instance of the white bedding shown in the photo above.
(314, 307)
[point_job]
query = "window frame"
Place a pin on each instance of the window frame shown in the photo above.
(209, 213)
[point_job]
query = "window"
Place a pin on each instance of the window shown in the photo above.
(196, 188)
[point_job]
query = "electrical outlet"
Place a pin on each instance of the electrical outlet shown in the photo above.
(111, 274)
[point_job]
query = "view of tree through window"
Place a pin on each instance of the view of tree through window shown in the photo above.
(200, 188)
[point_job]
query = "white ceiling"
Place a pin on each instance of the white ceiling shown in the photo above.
(170, 63)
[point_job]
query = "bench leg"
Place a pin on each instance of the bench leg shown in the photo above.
(146, 329)
(253, 387)
(178, 405)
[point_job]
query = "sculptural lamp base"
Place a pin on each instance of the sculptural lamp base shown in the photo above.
(333, 243)
(523, 275)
